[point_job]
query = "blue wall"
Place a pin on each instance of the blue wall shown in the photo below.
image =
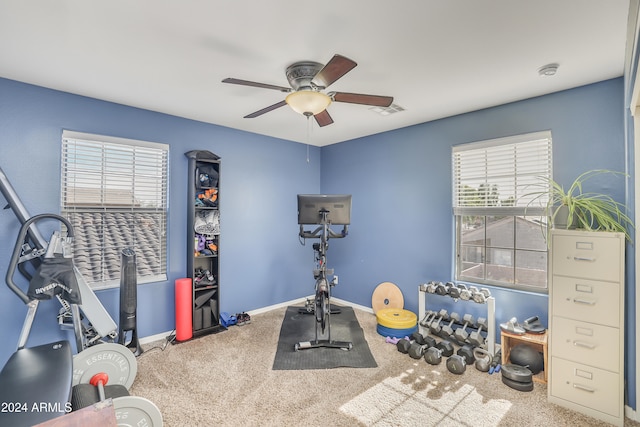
(262, 262)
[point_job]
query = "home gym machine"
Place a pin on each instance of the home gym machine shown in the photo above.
(97, 324)
(48, 381)
(323, 210)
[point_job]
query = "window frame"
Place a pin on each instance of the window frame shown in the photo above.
(528, 198)
(142, 215)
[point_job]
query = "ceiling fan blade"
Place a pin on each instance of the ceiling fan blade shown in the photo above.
(359, 98)
(255, 84)
(266, 110)
(337, 67)
(323, 118)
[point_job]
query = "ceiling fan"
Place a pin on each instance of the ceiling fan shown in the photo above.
(308, 79)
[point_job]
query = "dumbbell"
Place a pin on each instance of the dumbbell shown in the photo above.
(476, 338)
(480, 296)
(447, 330)
(430, 287)
(466, 351)
(435, 326)
(416, 350)
(433, 356)
(456, 364)
(465, 294)
(455, 291)
(443, 288)
(428, 317)
(445, 347)
(404, 344)
(461, 334)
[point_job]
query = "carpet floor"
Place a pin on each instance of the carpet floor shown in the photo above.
(227, 379)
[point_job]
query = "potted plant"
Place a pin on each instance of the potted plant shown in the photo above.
(574, 208)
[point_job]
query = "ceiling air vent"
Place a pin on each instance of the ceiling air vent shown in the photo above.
(385, 111)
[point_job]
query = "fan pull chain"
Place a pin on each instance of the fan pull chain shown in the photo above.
(308, 135)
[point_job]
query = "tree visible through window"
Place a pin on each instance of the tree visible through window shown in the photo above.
(500, 235)
(114, 192)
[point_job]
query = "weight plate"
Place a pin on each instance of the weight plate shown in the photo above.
(516, 373)
(396, 318)
(133, 411)
(116, 360)
(386, 295)
(396, 333)
(517, 385)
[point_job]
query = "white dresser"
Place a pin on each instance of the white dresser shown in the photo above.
(586, 323)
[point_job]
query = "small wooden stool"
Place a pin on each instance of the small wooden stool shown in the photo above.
(537, 341)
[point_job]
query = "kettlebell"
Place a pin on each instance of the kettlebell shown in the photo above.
(483, 359)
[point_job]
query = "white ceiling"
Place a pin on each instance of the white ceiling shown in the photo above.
(438, 58)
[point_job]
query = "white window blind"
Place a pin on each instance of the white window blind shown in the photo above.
(502, 175)
(500, 192)
(114, 192)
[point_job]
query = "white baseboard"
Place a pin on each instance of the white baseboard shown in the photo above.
(280, 305)
(157, 337)
(631, 414)
(358, 306)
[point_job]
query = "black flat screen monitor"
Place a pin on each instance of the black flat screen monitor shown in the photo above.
(337, 205)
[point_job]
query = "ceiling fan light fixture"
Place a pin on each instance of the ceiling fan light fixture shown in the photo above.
(308, 102)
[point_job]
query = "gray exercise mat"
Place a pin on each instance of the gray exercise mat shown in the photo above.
(298, 327)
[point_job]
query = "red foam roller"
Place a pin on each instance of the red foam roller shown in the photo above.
(184, 316)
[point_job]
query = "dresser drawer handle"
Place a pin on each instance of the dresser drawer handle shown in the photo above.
(585, 388)
(580, 258)
(583, 301)
(584, 345)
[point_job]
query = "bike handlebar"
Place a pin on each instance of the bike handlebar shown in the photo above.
(317, 233)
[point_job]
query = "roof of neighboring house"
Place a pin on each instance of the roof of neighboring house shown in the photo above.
(100, 238)
(500, 233)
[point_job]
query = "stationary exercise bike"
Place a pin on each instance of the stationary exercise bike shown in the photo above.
(324, 211)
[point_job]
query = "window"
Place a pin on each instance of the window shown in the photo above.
(114, 193)
(500, 232)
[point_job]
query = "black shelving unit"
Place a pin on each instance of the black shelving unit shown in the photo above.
(203, 240)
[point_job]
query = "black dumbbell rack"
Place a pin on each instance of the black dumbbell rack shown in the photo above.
(491, 317)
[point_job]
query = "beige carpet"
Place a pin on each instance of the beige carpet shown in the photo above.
(226, 380)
